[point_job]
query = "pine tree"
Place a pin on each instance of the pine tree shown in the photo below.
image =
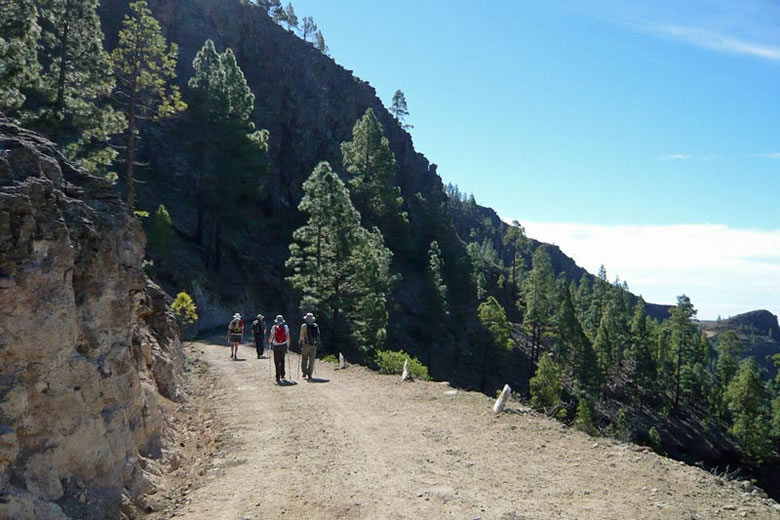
(338, 267)
(728, 348)
(70, 98)
(228, 153)
(370, 163)
(277, 12)
(655, 441)
(599, 300)
(144, 66)
(493, 318)
(516, 241)
(435, 275)
(573, 348)
(749, 405)
(538, 290)
(685, 340)
(19, 67)
(603, 346)
(372, 281)
(319, 43)
(644, 369)
(160, 235)
(399, 109)
(546, 387)
(583, 420)
(309, 28)
(290, 18)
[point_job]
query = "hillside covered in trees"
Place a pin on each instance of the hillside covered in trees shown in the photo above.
(271, 179)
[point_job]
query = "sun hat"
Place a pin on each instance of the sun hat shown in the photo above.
(309, 318)
(237, 315)
(279, 318)
(260, 316)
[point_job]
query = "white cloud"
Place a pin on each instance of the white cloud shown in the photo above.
(717, 41)
(725, 271)
(773, 155)
(685, 157)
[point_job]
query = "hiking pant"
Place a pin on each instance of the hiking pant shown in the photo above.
(259, 344)
(279, 352)
(308, 353)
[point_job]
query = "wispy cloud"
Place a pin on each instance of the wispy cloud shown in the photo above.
(686, 157)
(773, 155)
(718, 41)
(724, 270)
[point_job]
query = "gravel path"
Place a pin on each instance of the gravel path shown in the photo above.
(360, 445)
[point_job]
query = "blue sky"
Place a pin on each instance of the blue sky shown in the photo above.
(594, 123)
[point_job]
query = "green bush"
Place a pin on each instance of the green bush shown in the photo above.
(655, 441)
(392, 362)
(330, 358)
(584, 419)
(160, 233)
(184, 309)
(546, 387)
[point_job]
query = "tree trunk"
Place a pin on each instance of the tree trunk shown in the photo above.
(130, 142)
(130, 148)
(218, 244)
(59, 106)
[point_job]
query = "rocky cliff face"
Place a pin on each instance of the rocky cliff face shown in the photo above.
(308, 103)
(89, 350)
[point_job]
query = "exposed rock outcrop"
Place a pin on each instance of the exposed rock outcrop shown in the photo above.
(89, 349)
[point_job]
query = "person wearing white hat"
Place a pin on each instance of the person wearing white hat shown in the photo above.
(279, 338)
(308, 339)
(236, 334)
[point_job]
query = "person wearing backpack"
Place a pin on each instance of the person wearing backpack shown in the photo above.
(258, 329)
(236, 334)
(279, 338)
(309, 339)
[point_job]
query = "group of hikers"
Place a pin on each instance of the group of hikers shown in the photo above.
(279, 341)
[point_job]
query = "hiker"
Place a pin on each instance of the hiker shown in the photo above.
(236, 334)
(309, 339)
(258, 329)
(279, 338)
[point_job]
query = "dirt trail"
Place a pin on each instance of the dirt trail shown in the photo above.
(359, 445)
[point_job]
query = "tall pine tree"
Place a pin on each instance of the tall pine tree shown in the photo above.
(540, 305)
(370, 165)
(749, 405)
(144, 65)
(340, 269)
(69, 103)
(19, 67)
(227, 152)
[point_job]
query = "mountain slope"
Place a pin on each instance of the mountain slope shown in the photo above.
(758, 331)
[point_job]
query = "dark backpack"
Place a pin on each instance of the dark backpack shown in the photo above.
(312, 334)
(258, 327)
(280, 334)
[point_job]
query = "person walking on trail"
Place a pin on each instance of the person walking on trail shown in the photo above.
(309, 339)
(279, 338)
(236, 334)
(258, 329)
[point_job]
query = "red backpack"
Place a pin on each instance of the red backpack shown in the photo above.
(280, 334)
